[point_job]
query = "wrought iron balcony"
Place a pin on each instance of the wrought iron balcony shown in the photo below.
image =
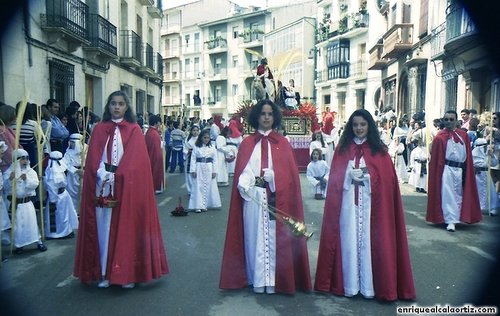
(376, 61)
(148, 67)
(147, 2)
(130, 48)
(159, 64)
(67, 18)
(216, 43)
(348, 22)
(437, 41)
(398, 40)
(461, 33)
(102, 35)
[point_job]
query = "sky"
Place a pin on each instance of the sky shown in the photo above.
(259, 3)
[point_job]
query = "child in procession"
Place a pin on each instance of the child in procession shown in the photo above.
(317, 174)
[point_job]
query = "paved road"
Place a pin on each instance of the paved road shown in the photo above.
(449, 268)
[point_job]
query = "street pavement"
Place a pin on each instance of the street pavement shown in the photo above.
(449, 268)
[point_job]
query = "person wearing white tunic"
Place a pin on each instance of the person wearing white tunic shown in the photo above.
(25, 226)
(4, 216)
(317, 175)
(233, 142)
(318, 142)
(60, 213)
(396, 149)
(418, 166)
(73, 160)
(204, 193)
(483, 156)
(189, 145)
(222, 151)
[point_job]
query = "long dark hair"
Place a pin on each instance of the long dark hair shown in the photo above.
(372, 137)
(129, 114)
(191, 131)
(253, 116)
(199, 141)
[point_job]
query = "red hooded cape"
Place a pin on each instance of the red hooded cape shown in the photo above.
(153, 144)
(292, 264)
(136, 252)
(471, 210)
(392, 274)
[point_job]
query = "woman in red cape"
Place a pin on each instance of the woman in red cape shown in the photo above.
(153, 144)
(292, 265)
(136, 252)
(390, 276)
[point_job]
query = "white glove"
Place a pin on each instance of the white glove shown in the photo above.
(268, 175)
(357, 174)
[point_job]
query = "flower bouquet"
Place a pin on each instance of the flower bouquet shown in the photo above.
(179, 210)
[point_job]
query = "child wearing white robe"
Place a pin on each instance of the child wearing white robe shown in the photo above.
(204, 192)
(189, 145)
(25, 227)
(60, 213)
(482, 155)
(317, 174)
(396, 149)
(222, 151)
(418, 167)
(73, 160)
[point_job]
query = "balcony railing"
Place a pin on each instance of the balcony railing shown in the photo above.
(130, 48)
(70, 16)
(159, 64)
(358, 68)
(438, 40)
(458, 22)
(148, 56)
(398, 40)
(102, 34)
(347, 23)
(218, 42)
(172, 76)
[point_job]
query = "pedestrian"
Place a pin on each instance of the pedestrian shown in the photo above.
(318, 142)
(483, 157)
(7, 119)
(153, 144)
(452, 196)
(119, 237)
(260, 251)
(363, 245)
(418, 165)
(168, 145)
(60, 213)
(5, 220)
(396, 151)
(177, 143)
(317, 174)
(25, 227)
(59, 133)
(189, 145)
(222, 152)
(234, 139)
(203, 169)
(73, 160)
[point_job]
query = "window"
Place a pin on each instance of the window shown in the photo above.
(187, 40)
(196, 42)
(62, 81)
(235, 32)
(235, 61)
(187, 66)
(337, 59)
(196, 65)
(234, 90)
(217, 66)
(218, 94)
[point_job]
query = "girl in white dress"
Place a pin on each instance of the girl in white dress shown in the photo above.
(222, 152)
(317, 175)
(204, 192)
(319, 142)
(73, 160)
(482, 154)
(418, 166)
(189, 144)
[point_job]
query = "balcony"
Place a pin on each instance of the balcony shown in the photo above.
(130, 49)
(461, 33)
(376, 62)
(159, 65)
(155, 12)
(147, 2)
(358, 69)
(67, 19)
(172, 77)
(251, 38)
(148, 67)
(353, 24)
(171, 28)
(171, 53)
(216, 44)
(437, 42)
(216, 102)
(217, 74)
(398, 40)
(102, 35)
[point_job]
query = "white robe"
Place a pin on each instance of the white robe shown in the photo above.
(233, 144)
(396, 152)
(355, 236)
(316, 144)
(418, 181)
(204, 193)
(66, 219)
(452, 189)
(259, 230)
(317, 169)
(5, 220)
(188, 145)
(25, 225)
(73, 162)
(482, 178)
(221, 167)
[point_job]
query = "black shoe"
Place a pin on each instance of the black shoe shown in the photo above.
(71, 235)
(5, 259)
(423, 191)
(41, 247)
(417, 190)
(18, 250)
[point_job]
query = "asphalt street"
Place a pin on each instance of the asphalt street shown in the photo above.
(449, 268)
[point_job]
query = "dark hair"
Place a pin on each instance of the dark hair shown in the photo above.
(497, 123)
(253, 116)
(153, 120)
(225, 131)
(191, 131)
(320, 153)
(372, 137)
(28, 111)
(176, 124)
(452, 112)
(74, 104)
(49, 102)
(321, 140)
(129, 114)
(7, 115)
(199, 141)
(466, 111)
